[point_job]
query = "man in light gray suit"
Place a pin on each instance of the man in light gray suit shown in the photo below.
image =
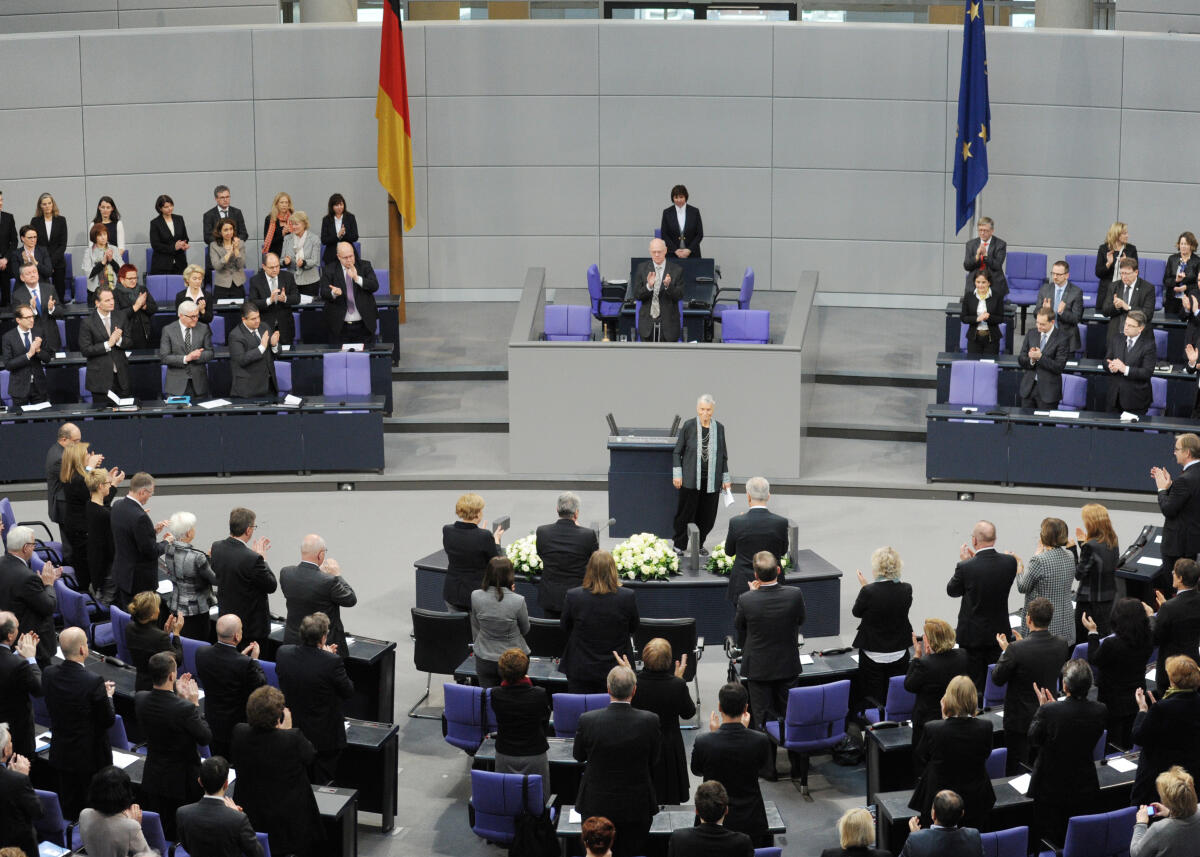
(184, 349)
(1066, 299)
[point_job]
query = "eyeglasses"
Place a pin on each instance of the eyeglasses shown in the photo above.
(22, 317)
(191, 315)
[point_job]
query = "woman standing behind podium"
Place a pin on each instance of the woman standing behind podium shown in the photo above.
(682, 228)
(468, 548)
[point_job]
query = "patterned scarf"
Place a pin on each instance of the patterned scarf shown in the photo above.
(713, 453)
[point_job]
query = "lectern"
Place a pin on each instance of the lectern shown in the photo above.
(640, 496)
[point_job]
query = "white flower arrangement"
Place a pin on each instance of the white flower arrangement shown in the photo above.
(721, 563)
(524, 556)
(644, 556)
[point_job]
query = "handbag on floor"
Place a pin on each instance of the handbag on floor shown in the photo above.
(533, 835)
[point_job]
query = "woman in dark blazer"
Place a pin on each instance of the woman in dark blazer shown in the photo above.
(884, 633)
(662, 690)
(140, 306)
(193, 290)
(953, 755)
(144, 638)
(1120, 665)
(934, 663)
(522, 715)
(274, 790)
(1116, 247)
(598, 619)
(337, 225)
(52, 234)
(1095, 569)
(468, 547)
(983, 307)
(74, 477)
(1166, 729)
(1180, 275)
(856, 834)
(685, 244)
(168, 239)
(100, 548)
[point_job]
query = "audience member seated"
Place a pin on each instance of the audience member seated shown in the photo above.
(227, 255)
(102, 340)
(982, 312)
(101, 261)
(953, 754)
(1177, 625)
(337, 226)
(564, 548)
(1043, 355)
(1168, 731)
(499, 619)
(856, 831)
(138, 306)
(935, 661)
(597, 834)
(468, 546)
(29, 594)
(252, 350)
(1064, 736)
(1120, 664)
(348, 289)
(1036, 659)
(168, 239)
(1179, 276)
(662, 691)
(192, 578)
(215, 826)
(522, 715)
(193, 290)
(733, 754)
(276, 293)
(987, 254)
(682, 229)
(51, 229)
(29, 253)
(884, 631)
(20, 679)
(272, 761)
(1116, 247)
(111, 826)
(229, 677)
(276, 224)
(244, 580)
(19, 804)
(108, 216)
(1050, 575)
(302, 253)
(1065, 298)
(1095, 570)
(944, 837)
(145, 638)
(598, 619)
(314, 678)
(1176, 829)
(169, 715)
(710, 838)
(185, 349)
(313, 586)
(25, 359)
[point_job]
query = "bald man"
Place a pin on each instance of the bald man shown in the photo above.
(983, 579)
(316, 586)
(229, 673)
(349, 294)
(658, 284)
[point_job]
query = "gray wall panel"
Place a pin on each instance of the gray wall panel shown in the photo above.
(514, 201)
(182, 66)
(732, 202)
(46, 7)
(513, 131)
(720, 59)
(135, 195)
(1046, 67)
(48, 141)
(835, 61)
(886, 267)
(20, 200)
(1151, 78)
(1039, 140)
(643, 130)
(1163, 211)
(20, 61)
(310, 191)
(1154, 140)
(58, 23)
(226, 15)
(511, 58)
(313, 133)
(838, 203)
(501, 262)
(859, 134)
(282, 47)
(199, 136)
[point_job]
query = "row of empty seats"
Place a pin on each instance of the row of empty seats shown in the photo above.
(975, 384)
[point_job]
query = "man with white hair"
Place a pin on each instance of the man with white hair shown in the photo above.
(19, 804)
(20, 679)
(758, 529)
(658, 284)
(29, 594)
(184, 349)
(316, 586)
(565, 548)
(699, 471)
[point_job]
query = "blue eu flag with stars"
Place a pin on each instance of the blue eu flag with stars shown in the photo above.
(974, 117)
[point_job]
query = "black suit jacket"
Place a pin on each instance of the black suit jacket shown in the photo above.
(1066, 733)
(24, 373)
(1177, 631)
(953, 754)
(1068, 319)
(1132, 392)
(669, 296)
(883, 606)
(768, 621)
(1038, 658)
(693, 231)
(1106, 273)
(1120, 670)
(279, 314)
(19, 807)
(733, 756)
(1042, 381)
(103, 363)
(995, 310)
(23, 593)
(943, 842)
(928, 677)
(145, 640)
(253, 367)
(137, 334)
(165, 259)
(983, 582)
(330, 239)
(206, 310)
(213, 216)
(229, 677)
(994, 261)
(209, 828)
(1191, 270)
(8, 238)
(45, 325)
(1168, 736)
(565, 548)
(621, 746)
(315, 683)
(173, 729)
(309, 590)
(40, 255)
(56, 241)
(81, 713)
(19, 680)
(135, 547)
(275, 793)
(56, 499)
(1180, 505)
(364, 297)
(596, 626)
(244, 580)
(1143, 299)
(709, 840)
(757, 529)
(468, 549)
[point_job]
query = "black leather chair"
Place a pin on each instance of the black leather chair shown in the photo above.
(441, 641)
(681, 634)
(546, 638)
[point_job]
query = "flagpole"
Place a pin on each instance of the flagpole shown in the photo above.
(396, 257)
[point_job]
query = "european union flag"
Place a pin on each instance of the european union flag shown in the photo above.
(974, 117)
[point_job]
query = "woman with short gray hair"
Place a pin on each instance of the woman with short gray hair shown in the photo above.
(191, 577)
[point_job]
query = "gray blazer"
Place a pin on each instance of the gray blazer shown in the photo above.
(231, 274)
(311, 271)
(110, 835)
(187, 567)
(498, 625)
(171, 353)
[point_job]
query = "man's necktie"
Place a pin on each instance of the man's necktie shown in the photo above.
(654, 308)
(1128, 294)
(28, 344)
(1128, 344)
(187, 340)
(351, 306)
(37, 301)
(107, 324)
(1042, 345)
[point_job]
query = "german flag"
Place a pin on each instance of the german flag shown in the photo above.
(391, 114)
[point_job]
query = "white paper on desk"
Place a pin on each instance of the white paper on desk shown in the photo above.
(352, 346)
(1064, 415)
(726, 495)
(1021, 783)
(40, 406)
(58, 654)
(854, 656)
(215, 403)
(165, 587)
(294, 401)
(987, 360)
(1153, 562)
(123, 760)
(232, 776)
(118, 401)
(199, 693)
(1127, 417)
(348, 724)
(41, 742)
(128, 354)
(305, 300)
(1152, 674)
(60, 354)
(806, 660)
(229, 302)
(285, 348)
(350, 641)
(574, 817)
(1121, 764)
(1158, 539)
(276, 626)
(1014, 621)
(1072, 362)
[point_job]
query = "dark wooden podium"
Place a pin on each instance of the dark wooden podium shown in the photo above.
(640, 495)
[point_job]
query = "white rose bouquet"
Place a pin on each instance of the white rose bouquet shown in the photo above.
(721, 563)
(644, 556)
(524, 556)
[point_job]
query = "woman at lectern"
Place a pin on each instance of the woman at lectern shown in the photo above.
(682, 228)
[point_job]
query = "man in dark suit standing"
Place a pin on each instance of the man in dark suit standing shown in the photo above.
(983, 579)
(1130, 363)
(349, 294)
(229, 677)
(1066, 299)
(30, 252)
(1179, 501)
(39, 294)
(29, 594)
(215, 826)
(316, 585)
(1177, 624)
(710, 838)
(8, 246)
(222, 211)
(23, 357)
(275, 292)
(767, 622)
(185, 349)
(81, 712)
(758, 529)
(56, 501)
(621, 746)
(135, 548)
(314, 681)
(20, 679)
(733, 754)
(169, 716)
(244, 580)
(682, 229)
(1043, 356)
(987, 252)
(944, 838)
(102, 342)
(564, 548)
(1130, 293)
(1036, 659)
(252, 356)
(658, 284)
(19, 804)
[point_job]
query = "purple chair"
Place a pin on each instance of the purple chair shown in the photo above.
(70, 263)
(149, 256)
(118, 738)
(993, 694)
(272, 675)
(746, 327)
(566, 323)
(743, 298)
(4, 397)
(468, 716)
(84, 394)
(79, 289)
(347, 373)
(1153, 271)
(604, 311)
(77, 611)
(164, 287)
(1074, 396)
(1158, 387)
(1083, 274)
(962, 336)
(815, 721)
(996, 761)
(1013, 842)
(283, 376)
(898, 705)
(48, 549)
(217, 326)
(152, 829)
(1160, 344)
(973, 383)
(52, 826)
(120, 621)
(190, 647)
(568, 706)
(1105, 834)
(1083, 338)
(497, 799)
(637, 314)
(768, 852)
(658, 233)
(1025, 273)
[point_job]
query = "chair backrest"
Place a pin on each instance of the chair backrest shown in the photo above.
(7, 518)
(120, 620)
(190, 647)
(1083, 272)
(347, 373)
(1024, 266)
(568, 706)
(283, 376)
(118, 738)
(84, 394)
(1080, 651)
(164, 287)
(51, 826)
(817, 715)
(1101, 746)
(595, 289)
(61, 324)
(962, 335)
(746, 326)
(993, 694)
(441, 640)
(466, 723)
(4, 376)
(974, 383)
(268, 668)
(152, 829)
(567, 323)
(1013, 842)
(496, 801)
(1153, 271)
(546, 637)
(217, 326)
(1158, 389)
(265, 842)
(768, 852)
(680, 633)
(996, 762)
(1074, 393)
(1105, 834)
(1160, 344)
(73, 605)
(900, 702)
(747, 289)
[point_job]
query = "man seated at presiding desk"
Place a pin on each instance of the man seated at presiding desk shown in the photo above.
(102, 342)
(710, 838)
(1044, 355)
(252, 351)
(184, 349)
(23, 357)
(215, 826)
(944, 838)
(565, 548)
(658, 284)
(1130, 361)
